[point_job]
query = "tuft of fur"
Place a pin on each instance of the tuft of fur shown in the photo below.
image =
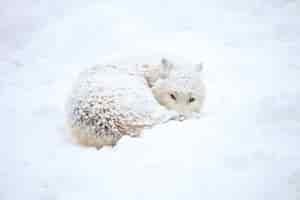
(108, 102)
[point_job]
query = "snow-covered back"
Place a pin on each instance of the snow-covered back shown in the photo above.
(245, 145)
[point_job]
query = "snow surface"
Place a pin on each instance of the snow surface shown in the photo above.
(245, 146)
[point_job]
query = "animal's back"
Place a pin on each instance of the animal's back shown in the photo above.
(107, 103)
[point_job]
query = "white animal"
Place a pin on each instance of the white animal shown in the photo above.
(109, 101)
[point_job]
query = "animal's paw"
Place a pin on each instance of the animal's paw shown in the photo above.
(134, 134)
(180, 117)
(172, 115)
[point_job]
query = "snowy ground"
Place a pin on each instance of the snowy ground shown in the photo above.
(246, 145)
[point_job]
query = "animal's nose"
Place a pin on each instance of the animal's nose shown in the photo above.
(181, 117)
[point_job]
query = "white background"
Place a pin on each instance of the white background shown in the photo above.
(245, 146)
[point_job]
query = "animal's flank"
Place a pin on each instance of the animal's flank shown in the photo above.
(108, 102)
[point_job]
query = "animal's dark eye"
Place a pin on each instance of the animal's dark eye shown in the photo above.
(192, 99)
(173, 97)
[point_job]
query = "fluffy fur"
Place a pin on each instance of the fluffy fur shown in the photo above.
(108, 102)
(181, 90)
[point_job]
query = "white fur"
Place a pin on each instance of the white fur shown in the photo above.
(108, 102)
(183, 83)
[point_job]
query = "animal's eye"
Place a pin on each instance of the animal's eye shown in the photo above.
(192, 99)
(173, 97)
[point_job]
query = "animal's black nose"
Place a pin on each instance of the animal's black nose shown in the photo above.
(181, 117)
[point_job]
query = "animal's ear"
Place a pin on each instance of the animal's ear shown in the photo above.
(199, 67)
(167, 66)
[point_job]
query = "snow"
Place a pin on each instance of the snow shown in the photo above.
(245, 145)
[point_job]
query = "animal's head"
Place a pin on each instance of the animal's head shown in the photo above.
(181, 89)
